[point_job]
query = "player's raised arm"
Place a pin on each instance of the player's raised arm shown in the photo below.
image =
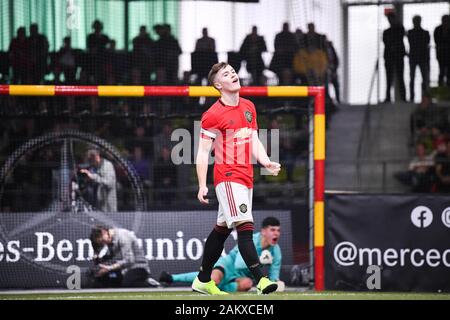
(260, 154)
(204, 148)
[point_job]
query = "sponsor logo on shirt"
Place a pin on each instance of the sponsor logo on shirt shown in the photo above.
(243, 133)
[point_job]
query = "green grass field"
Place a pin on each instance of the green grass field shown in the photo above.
(185, 295)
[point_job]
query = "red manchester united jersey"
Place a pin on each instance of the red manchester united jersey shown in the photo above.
(231, 127)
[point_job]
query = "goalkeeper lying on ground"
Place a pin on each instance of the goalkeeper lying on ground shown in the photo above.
(231, 274)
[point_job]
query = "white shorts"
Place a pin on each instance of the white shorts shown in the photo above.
(235, 203)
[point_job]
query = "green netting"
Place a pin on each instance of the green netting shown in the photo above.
(51, 15)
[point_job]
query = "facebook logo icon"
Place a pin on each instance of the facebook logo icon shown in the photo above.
(421, 217)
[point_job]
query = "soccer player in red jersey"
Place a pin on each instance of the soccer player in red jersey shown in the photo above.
(229, 127)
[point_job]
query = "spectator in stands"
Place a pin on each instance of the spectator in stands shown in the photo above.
(442, 161)
(162, 139)
(282, 61)
(111, 63)
(421, 170)
(104, 129)
(142, 55)
(394, 52)
(96, 44)
(18, 57)
(141, 164)
(38, 54)
(299, 38)
(165, 177)
(298, 63)
(66, 63)
(203, 57)
(49, 157)
(251, 51)
(160, 60)
(167, 52)
(333, 65)
(141, 139)
(101, 172)
(438, 138)
(205, 43)
(119, 259)
(440, 150)
(419, 55)
(313, 39)
(311, 61)
(423, 135)
(442, 40)
(428, 115)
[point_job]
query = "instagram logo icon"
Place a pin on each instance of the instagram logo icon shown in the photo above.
(446, 217)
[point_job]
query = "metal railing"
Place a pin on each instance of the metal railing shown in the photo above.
(369, 175)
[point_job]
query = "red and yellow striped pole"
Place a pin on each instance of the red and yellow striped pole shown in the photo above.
(200, 91)
(319, 186)
(147, 91)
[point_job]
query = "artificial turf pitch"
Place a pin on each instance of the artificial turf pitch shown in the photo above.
(186, 295)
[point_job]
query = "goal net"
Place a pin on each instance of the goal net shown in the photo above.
(100, 103)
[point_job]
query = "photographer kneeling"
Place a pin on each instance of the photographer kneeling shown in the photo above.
(125, 265)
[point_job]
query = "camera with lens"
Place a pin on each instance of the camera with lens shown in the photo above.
(82, 177)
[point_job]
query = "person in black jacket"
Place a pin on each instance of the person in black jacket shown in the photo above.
(442, 40)
(165, 178)
(394, 53)
(66, 62)
(251, 51)
(18, 57)
(167, 51)
(285, 49)
(96, 43)
(37, 45)
(142, 55)
(419, 55)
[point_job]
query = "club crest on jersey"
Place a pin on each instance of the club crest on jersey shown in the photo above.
(243, 208)
(248, 116)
